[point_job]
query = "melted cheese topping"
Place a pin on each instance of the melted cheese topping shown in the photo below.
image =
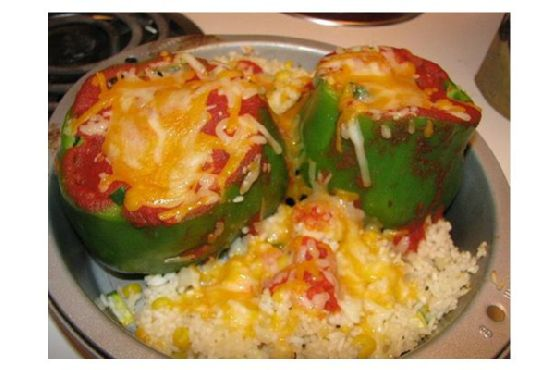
(155, 142)
(390, 85)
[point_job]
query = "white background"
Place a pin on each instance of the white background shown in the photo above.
(26, 337)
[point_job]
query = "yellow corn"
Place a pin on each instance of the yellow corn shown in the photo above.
(180, 338)
(161, 302)
(282, 352)
(131, 290)
(141, 334)
(282, 76)
(367, 345)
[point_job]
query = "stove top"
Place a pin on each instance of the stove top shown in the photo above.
(356, 19)
(77, 42)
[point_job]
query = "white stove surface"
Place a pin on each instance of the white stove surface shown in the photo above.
(456, 41)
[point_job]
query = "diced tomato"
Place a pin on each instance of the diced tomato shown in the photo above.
(252, 106)
(82, 166)
(89, 92)
(320, 284)
(308, 244)
(415, 237)
(218, 110)
(309, 86)
(313, 216)
(416, 233)
(219, 159)
(306, 268)
(431, 75)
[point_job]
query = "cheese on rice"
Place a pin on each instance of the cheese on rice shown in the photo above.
(388, 301)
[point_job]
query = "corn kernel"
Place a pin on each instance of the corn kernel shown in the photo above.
(282, 352)
(141, 334)
(180, 338)
(282, 76)
(131, 289)
(367, 345)
(161, 302)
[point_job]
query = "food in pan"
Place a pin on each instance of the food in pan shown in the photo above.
(312, 282)
(358, 262)
(389, 127)
(163, 163)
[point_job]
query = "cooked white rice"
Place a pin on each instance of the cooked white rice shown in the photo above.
(388, 300)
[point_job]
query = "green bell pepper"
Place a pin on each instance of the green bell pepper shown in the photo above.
(414, 162)
(123, 247)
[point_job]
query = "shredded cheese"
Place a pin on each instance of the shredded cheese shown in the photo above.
(263, 130)
(356, 136)
(391, 85)
(154, 138)
(253, 171)
(198, 67)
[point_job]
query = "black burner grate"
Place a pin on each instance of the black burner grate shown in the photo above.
(77, 42)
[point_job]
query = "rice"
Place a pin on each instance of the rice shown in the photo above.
(377, 302)
(283, 82)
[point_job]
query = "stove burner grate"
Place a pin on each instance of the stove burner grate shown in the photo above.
(77, 42)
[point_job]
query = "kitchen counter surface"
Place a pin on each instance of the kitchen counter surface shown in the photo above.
(458, 42)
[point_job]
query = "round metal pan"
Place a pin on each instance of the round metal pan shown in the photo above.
(478, 328)
(356, 19)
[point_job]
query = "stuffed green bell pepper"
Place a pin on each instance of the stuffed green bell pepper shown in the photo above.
(389, 127)
(163, 163)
